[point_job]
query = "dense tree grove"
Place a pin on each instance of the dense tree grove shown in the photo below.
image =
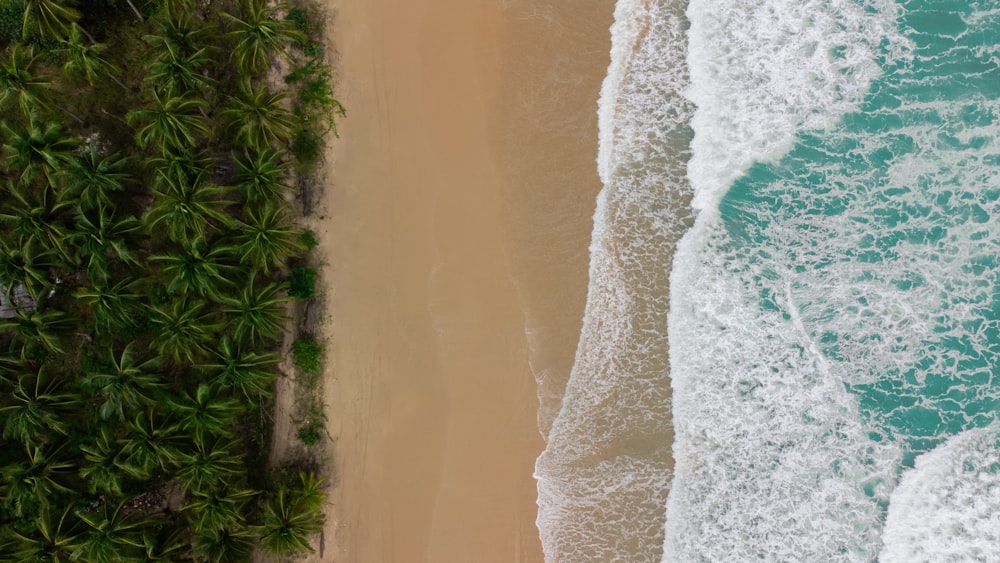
(145, 243)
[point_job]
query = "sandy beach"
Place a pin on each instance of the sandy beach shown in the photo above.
(433, 244)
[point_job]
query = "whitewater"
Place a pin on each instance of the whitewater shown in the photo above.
(792, 327)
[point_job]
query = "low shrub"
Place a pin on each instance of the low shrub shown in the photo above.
(308, 239)
(302, 283)
(309, 434)
(306, 354)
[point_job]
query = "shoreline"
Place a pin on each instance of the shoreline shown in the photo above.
(430, 400)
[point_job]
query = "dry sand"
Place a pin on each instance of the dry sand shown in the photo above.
(431, 402)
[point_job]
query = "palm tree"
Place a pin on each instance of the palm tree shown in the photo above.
(151, 444)
(25, 265)
(260, 176)
(183, 329)
(256, 33)
(199, 268)
(309, 495)
(228, 545)
(126, 385)
(114, 306)
(245, 371)
(210, 464)
(288, 526)
(174, 73)
(257, 118)
(41, 147)
(11, 367)
(84, 59)
(92, 176)
(18, 80)
(266, 238)
(38, 216)
(173, 123)
(175, 168)
(37, 328)
(35, 409)
(100, 237)
(257, 313)
(180, 28)
(49, 18)
(53, 539)
(170, 544)
(221, 508)
(32, 483)
(204, 413)
(187, 210)
(110, 538)
(104, 466)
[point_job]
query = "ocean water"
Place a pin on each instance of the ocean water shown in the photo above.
(793, 319)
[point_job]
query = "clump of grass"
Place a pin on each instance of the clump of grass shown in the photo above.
(309, 434)
(307, 146)
(306, 355)
(308, 239)
(300, 19)
(302, 283)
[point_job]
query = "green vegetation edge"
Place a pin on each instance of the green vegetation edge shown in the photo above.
(153, 158)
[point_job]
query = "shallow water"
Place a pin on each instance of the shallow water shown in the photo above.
(603, 478)
(832, 171)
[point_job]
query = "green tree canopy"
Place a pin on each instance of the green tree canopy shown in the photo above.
(266, 238)
(257, 118)
(35, 408)
(38, 217)
(187, 211)
(257, 33)
(111, 536)
(184, 331)
(83, 58)
(101, 238)
(244, 370)
(256, 312)
(20, 81)
(172, 123)
(31, 484)
(260, 176)
(199, 268)
(53, 539)
(125, 384)
(93, 176)
(39, 148)
(205, 413)
(49, 18)
(114, 306)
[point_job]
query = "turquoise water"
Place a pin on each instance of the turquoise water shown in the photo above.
(836, 309)
(896, 204)
(799, 234)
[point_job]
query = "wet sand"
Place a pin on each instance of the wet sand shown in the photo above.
(425, 230)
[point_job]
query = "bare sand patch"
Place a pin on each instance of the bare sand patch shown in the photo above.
(431, 400)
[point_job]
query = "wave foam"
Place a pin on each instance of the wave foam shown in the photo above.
(772, 459)
(946, 507)
(604, 475)
(764, 70)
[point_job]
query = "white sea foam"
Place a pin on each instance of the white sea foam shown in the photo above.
(947, 508)
(881, 278)
(764, 70)
(772, 459)
(603, 478)
(862, 262)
